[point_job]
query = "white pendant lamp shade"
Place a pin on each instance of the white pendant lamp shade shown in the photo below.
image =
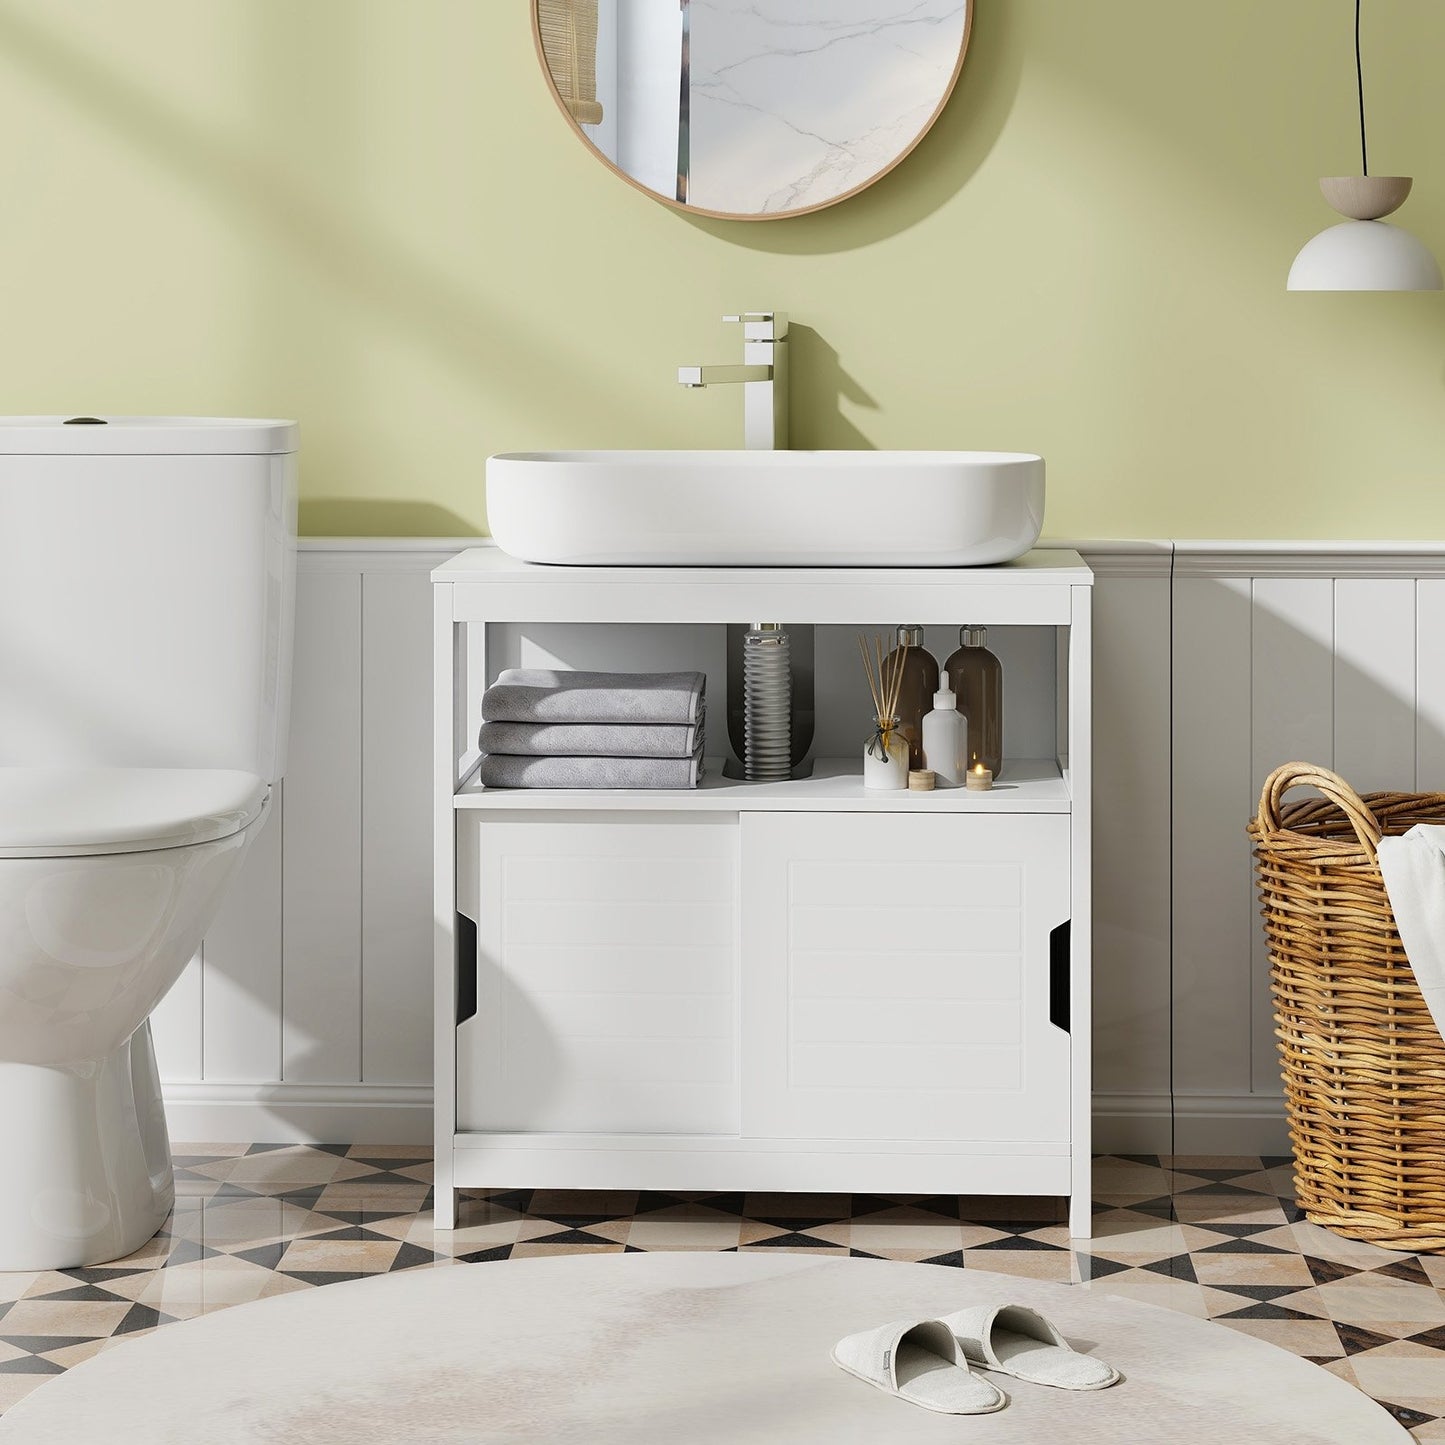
(1365, 256)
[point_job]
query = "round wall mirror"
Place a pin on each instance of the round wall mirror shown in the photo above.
(752, 108)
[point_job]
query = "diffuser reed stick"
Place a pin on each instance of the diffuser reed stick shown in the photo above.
(890, 673)
(868, 673)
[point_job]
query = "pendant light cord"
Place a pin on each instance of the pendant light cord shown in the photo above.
(1360, 82)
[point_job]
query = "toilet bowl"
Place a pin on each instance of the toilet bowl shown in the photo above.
(109, 878)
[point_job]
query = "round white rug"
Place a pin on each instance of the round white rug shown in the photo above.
(709, 1349)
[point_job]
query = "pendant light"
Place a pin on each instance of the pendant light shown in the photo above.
(1364, 253)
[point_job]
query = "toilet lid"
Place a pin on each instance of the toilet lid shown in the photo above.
(54, 812)
(132, 436)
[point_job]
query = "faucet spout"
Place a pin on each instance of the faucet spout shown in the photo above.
(720, 375)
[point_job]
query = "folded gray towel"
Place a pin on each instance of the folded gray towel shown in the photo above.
(500, 770)
(578, 740)
(538, 695)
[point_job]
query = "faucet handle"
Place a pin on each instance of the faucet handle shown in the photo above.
(762, 325)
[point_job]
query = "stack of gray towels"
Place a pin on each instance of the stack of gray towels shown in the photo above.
(546, 729)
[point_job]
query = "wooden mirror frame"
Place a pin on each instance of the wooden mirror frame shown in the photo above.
(691, 210)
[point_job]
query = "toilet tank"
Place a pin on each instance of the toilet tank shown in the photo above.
(147, 589)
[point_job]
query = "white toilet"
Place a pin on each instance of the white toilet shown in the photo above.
(147, 569)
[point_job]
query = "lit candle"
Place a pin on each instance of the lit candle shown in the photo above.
(979, 779)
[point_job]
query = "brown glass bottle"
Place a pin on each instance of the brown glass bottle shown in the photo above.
(976, 675)
(915, 696)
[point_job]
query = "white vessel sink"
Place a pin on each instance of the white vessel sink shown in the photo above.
(771, 509)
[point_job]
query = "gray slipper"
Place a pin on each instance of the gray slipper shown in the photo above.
(919, 1361)
(1015, 1340)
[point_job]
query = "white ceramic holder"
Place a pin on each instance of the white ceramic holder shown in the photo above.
(890, 773)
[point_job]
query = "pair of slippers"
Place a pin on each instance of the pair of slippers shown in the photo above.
(930, 1362)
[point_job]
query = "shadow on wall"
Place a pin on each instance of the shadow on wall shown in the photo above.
(336, 244)
(820, 385)
(373, 517)
(937, 169)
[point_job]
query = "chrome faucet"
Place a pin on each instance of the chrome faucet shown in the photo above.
(764, 378)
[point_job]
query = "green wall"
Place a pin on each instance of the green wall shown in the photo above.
(369, 215)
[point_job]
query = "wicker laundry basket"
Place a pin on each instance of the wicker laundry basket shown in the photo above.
(1363, 1062)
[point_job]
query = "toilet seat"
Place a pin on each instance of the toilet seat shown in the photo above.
(65, 812)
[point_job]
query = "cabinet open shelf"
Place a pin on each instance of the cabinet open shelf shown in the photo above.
(1029, 785)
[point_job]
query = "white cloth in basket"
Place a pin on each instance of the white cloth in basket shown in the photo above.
(1413, 866)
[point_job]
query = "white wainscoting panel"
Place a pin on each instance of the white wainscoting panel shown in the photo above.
(1131, 847)
(1430, 684)
(396, 843)
(321, 1018)
(177, 1026)
(1292, 715)
(306, 1013)
(241, 964)
(1375, 682)
(1324, 654)
(1211, 877)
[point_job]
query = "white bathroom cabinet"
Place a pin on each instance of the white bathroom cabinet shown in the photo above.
(762, 986)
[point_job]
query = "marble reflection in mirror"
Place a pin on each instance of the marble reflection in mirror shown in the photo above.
(758, 108)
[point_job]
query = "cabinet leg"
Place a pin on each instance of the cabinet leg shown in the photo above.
(1081, 1214)
(444, 1207)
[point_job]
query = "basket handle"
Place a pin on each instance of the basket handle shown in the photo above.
(1335, 788)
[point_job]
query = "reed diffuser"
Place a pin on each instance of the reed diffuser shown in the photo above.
(885, 756)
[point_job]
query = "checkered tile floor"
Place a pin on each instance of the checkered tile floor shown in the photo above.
(1218, 1238)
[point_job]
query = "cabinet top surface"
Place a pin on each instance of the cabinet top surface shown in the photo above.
(1042, 566)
